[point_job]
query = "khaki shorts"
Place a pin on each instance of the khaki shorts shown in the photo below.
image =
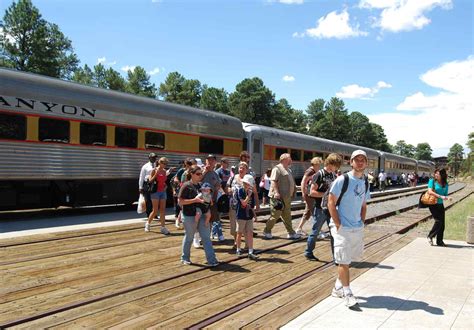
(245, 226)
(348, 244)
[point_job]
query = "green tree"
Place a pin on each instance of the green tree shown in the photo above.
(470, 142)
(84, 76)
(139, 83)
(361, 130)
(290, 119)
(178, 89)
(455, 157)
(423, 151)
(379, 140)
(115, 80)
(172, 87)
(315, 112)
(214, 99)
(335, 124)
(30, 43)
(253, 102)
(100, 76)
(404, 149)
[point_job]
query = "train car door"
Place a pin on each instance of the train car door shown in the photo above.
(256, 154)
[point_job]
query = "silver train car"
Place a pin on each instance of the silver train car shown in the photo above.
(62, 143)
(396, 164)
(266, 144)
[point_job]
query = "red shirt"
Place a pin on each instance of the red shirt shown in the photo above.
(161, 181)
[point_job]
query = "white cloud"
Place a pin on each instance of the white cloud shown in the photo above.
(154, 71)
(288, 78)
(128, 68)
(103, 61)
(355, 91)
(333, 25)
(442, 119)
(403, 15)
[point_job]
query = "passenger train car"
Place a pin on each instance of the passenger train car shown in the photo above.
(266, 144)
(62, 143)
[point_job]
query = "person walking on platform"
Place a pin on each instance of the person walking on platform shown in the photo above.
(438, 187)
(188, 199)
(306, 182)
(158, 198)
(282, 189)
(382, 180)
(245, 215)
(348, 210)
(144, 174)
(321, 183)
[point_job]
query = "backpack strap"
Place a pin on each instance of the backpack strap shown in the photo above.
(366, 183)
(344, 188)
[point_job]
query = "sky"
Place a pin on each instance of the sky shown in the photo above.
(406, 64)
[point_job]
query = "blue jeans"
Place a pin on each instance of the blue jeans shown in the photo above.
(190, 227)
(217, 228)
(318, 219)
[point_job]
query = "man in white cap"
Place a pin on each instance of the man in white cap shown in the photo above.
(347, 205)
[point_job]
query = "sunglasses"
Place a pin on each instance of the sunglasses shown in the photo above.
(199, 173)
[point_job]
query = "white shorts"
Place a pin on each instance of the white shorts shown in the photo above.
(348, 244)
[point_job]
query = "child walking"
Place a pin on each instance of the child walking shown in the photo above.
(245, 215)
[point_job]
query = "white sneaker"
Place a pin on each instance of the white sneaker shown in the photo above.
(267, 235)
(337, 293)
(147, 227)
(293, 236)
(301, 232)
(165, 231)
(322, 236)
(221, 238)
(196, 243)
(350, 300)
(177, 224)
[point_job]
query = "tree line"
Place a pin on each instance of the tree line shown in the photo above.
(30, 43)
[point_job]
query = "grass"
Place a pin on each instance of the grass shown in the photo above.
(456, 219)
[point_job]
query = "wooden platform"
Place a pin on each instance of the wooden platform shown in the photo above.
(122, 277)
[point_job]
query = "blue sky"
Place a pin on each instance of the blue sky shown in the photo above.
(406, 64)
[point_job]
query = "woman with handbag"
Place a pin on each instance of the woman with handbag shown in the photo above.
(438, 187)
(158, 178)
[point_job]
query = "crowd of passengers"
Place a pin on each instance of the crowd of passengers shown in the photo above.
(204, 191)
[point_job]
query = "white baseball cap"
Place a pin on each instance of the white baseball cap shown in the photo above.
(358, 153)
(248, 179)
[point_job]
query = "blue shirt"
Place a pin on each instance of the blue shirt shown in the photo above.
(351, 202)
(439, 189)
(245, 213)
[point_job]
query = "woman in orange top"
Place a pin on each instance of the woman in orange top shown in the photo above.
(158, 198)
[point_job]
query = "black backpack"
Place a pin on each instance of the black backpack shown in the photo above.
(324, 201)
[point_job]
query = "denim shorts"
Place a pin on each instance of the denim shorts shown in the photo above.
(159, 195)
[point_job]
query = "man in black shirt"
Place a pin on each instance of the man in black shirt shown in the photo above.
(321, 182)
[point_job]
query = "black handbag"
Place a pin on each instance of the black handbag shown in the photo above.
(150, 187)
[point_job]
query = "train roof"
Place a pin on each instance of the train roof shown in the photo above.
(298, 140)
(395, 157)
(122, 108)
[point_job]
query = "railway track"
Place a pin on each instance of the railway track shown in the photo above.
(72, 286)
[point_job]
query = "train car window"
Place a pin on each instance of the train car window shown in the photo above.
(93, 134)
(154, 140)
(256, 146)
(318, 154)
(12, 127)
(53, 130)
(245, 144)
(295, 155)
(307, 156)
(126, 137)
(279, 152)
(211, 146)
